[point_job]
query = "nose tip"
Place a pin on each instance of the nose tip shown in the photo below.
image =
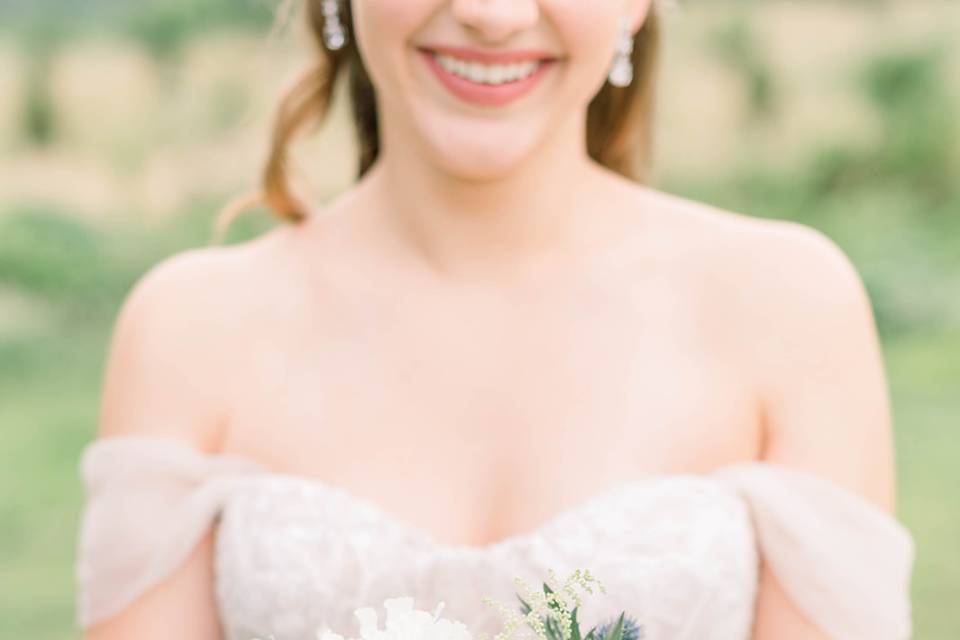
(496, 20)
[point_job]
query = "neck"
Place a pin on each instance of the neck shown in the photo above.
(530, 220)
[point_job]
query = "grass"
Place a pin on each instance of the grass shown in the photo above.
(925, 372)
(47, 413)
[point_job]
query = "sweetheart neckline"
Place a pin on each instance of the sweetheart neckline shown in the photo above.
(424, 536)
(538, 532)
(731, 478)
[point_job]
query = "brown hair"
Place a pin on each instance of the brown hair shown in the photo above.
(618, 121)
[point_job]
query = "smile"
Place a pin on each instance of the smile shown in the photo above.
(493, 74)
(487, 78)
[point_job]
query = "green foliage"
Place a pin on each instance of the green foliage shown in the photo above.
(84, 269)
(551, 623)
(164, 25)
(230, 104)
(42, 38)
(736, 44)
(908, 88)
(900, 80)
(38, 125)
(51, 254)
(614, 632)
(39, 31)
(623, 628)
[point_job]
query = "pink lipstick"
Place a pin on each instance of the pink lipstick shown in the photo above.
(488, 78)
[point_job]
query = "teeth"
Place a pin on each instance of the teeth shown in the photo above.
(487, 73)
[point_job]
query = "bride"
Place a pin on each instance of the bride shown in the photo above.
(498, 353)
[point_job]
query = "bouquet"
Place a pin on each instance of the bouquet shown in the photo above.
(550, 615)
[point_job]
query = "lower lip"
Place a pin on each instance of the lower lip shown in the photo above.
(486, 94)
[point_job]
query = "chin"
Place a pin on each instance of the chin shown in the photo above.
(479, 164)
(481, 153)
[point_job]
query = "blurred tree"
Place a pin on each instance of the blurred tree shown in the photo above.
(161, 24)
(43, 39)
(38, 120)
(909, 89)
(164, 25)
(737, 46)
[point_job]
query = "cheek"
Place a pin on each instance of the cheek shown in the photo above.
(389, 15)
(587, 30)
(385, 27)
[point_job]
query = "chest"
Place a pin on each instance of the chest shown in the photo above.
(485, 401)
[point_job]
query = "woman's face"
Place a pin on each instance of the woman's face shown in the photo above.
(478, 85)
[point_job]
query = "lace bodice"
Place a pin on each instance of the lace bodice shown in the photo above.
(678, 552)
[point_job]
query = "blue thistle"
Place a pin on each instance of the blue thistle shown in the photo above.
(631, 630)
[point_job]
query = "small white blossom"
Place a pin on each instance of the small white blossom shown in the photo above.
(544, 606)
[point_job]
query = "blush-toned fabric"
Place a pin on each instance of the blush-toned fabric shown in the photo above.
(680, 553)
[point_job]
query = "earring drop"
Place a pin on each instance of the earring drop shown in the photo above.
(621, 72)
(334, 35)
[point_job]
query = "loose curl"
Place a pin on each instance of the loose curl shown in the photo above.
(619, 120)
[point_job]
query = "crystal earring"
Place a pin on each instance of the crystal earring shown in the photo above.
(334, 35)
(621, 72)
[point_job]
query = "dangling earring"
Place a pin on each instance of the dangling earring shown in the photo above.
(621, 72)
(334, 35)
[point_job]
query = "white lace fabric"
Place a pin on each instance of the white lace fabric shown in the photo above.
(678, 552)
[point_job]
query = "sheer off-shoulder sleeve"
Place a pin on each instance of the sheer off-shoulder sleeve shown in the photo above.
(843, 561)
(150, 500)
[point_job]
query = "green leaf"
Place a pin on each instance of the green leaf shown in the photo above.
(550, 625)
(575, 626)
(524, 607)
(553, 628)
(547, 591)
(616, 632)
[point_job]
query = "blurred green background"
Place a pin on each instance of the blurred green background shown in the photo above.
(126, 124)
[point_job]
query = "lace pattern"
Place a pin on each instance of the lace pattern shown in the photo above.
(294, 554)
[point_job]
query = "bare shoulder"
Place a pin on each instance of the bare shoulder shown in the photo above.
(173, 345)
(749, 271)
(798, 280)
(807, 330)
(792, 288)
(785, 267)
(192, 293)
(168, 374)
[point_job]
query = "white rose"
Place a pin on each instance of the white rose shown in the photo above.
(404, 623)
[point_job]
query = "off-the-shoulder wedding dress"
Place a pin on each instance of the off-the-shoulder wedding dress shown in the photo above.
(679, 552)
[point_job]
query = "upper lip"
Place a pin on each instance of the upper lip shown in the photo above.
(492, 57)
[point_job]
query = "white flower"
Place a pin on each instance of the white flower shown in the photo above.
(404, 623)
